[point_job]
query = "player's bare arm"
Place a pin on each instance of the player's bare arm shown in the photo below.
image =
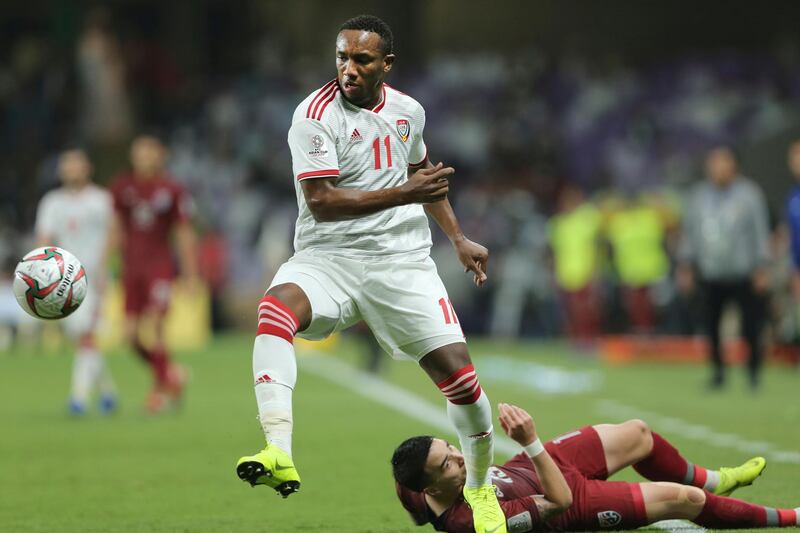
(329, 203)
(186, 243)
(557, 497)
(472, 255)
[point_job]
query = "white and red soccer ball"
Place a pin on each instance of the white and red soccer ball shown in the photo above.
(50, 283)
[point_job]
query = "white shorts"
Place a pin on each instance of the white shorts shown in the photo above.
(85, 318)
(404, 303)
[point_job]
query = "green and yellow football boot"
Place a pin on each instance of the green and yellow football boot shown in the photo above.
(487, 516)
(731, 479)
(271, 467)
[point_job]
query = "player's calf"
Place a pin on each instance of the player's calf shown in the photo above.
(469, 410)
(275, 375)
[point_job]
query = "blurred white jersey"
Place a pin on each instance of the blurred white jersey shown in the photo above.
(366, 149)
(77, 221)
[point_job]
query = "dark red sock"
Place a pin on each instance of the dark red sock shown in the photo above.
(720, 512)
(159, 360)
(143, 353)
(664, 463)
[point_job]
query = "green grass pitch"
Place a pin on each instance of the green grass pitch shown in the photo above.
(132, 472)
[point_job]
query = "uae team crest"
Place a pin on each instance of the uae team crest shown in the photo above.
(403, 129)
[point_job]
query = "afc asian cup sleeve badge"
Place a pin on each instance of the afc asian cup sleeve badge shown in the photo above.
(403, 129)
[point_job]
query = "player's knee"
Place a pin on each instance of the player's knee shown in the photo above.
(293, 299)
(689, 498)
(643, 436)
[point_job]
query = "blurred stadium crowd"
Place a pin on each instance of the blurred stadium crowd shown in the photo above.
(540, 141)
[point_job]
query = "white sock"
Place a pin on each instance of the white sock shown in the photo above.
(275, 374)
(84, 369)
(473, 422)
(103, 380)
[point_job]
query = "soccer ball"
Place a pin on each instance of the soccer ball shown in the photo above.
(50, 283)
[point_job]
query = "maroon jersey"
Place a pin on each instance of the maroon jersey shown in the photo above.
(597, 504)
(149, 210)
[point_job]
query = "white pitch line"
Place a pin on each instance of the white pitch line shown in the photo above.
(409, 404)
(391, 396)
(684, 526)
(699, 432)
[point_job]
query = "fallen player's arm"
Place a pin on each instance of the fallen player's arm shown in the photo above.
(557, 496)
(329, 203)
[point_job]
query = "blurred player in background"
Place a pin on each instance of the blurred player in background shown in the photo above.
(562, 485)
(726, 243)
(76, 217)
(149, 210)
(364, 185)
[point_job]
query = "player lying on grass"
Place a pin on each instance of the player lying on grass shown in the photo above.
(562, 484)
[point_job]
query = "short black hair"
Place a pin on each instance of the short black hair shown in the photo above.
(375, 25)
(408, 462)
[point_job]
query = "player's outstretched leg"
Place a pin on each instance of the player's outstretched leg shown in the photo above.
(275, 374)
(665, 463)
(105, 385)
(471, 413)
(664, 501)
(83, 369)
(720, 512)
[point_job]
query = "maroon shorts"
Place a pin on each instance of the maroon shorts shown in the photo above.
(147, 292)
(597, 504)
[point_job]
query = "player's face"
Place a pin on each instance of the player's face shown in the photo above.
(74, 168)
(721, 166)
(794, 159)
(147, 156)
(361, 66)
(445, 468)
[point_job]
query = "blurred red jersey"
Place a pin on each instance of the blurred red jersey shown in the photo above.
(148, 210)
(597, 504)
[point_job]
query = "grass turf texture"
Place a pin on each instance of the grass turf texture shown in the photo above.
(175, 472)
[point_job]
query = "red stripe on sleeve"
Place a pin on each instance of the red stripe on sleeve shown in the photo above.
(328, 101)
(327, 173)
(328, 92)
(318, 96)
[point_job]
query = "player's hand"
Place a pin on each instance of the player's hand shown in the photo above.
(427, 185)
(517, 423)
(474, 257)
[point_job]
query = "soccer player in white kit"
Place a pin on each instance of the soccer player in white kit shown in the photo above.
(76, 217)
(364, 186)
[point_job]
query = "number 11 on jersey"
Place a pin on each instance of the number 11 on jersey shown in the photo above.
(376, 149)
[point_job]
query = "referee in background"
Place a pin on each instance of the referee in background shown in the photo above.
(724, 247)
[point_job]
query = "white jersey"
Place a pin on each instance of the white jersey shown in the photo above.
(366, 149)
(77, 221)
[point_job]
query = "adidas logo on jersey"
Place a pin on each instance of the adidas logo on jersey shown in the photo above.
(356, 137)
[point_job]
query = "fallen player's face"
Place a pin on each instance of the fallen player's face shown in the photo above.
(361, 66)
(445, 466)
